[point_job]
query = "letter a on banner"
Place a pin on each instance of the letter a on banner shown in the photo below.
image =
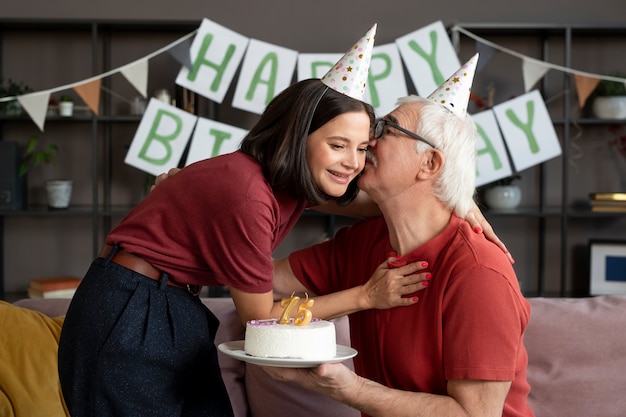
(266, 71)
(527, 130)
(161, 138)
(215, 56)
(429, 57)
(492, 161)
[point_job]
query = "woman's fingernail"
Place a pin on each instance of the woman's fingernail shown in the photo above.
(425, 283)
(414, 299)
(428, 276)
(424, 264)
(477, 229)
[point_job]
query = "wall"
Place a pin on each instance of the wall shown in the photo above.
(304, 26)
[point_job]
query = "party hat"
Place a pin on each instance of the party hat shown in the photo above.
(455, 92)
(349, 74)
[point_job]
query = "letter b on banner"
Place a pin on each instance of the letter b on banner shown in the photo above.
(161, 138)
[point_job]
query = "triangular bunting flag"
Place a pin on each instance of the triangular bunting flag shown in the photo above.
(137, 75)
(36, 105)
(90, 93)
(584, 87)
(533, 71)
(486, 52)
(182, 53)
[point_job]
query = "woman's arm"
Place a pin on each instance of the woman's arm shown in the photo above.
(386, 288)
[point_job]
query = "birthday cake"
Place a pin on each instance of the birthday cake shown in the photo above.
(269, 339)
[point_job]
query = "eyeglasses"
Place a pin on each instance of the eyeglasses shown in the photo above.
(379, 129)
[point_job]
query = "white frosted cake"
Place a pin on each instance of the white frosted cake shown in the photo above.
(269, 339)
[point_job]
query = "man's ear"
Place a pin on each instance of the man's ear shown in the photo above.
(432, 164)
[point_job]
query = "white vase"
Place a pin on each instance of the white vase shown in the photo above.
(502, 197)
(59, 193)
(610, 107)
(66, 108)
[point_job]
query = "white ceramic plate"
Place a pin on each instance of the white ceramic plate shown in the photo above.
(235, 350)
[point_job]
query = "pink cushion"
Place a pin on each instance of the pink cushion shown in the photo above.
(577, 356)
(233, 371)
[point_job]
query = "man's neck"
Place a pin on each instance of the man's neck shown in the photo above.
(413, 219)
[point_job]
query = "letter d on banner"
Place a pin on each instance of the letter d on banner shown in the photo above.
(161, 138)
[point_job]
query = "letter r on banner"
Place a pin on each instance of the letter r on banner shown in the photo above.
(161, 138)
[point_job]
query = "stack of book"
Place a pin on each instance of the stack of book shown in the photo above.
(56, 287)
(608, 202)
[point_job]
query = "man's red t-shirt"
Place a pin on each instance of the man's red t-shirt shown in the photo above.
(468, 324)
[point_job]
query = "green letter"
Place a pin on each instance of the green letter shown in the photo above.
(272, 60)
(163, 139)
(206, 42)
(488, 149)
(371, 79)
(432, 62)
(220, 137)
(526, 128)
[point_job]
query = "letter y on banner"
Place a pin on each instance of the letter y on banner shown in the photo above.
(527, 130)
(161, 138)
(429, 57)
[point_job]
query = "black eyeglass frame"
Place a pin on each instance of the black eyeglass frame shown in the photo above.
(379, 129)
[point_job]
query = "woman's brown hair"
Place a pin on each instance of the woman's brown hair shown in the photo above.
(278, 139)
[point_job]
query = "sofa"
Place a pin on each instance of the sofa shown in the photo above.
(576, 349)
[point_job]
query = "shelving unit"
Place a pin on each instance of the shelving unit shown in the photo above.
(555, 206)
(548, 235)
(92, 147)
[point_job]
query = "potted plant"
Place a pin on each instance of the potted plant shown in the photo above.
(12, 89)
(503, 193)
(610, 100)
(59, 191)
(66, 106)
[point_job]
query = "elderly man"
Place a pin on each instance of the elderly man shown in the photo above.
(459, 350)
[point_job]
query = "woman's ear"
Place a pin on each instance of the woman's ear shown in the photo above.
(432, 164)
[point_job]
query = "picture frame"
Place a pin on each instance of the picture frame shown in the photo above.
(607, 267)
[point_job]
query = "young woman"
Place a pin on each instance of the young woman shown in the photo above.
(136, 339)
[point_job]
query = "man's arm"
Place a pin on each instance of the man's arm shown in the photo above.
(466, 398)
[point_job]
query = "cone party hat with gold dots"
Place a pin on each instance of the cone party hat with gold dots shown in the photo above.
(349, 74)
(454, 94)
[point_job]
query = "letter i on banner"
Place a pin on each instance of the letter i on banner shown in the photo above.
(492, 161)
(527, 130)
(216, 53)
(161, 138)
(428, 51)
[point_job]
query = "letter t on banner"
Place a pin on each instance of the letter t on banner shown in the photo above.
(215, 54)
(161, 138)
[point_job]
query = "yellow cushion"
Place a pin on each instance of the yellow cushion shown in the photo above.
(29, 380)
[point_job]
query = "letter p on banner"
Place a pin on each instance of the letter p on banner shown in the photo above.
(161, 138)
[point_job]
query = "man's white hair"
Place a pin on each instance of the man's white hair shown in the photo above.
(455, 137)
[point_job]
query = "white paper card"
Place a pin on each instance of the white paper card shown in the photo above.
(161, 138)
(266, 71)
(429, 57)
(211, 138)
(216, 53)
(492, 161)
(527, 130)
